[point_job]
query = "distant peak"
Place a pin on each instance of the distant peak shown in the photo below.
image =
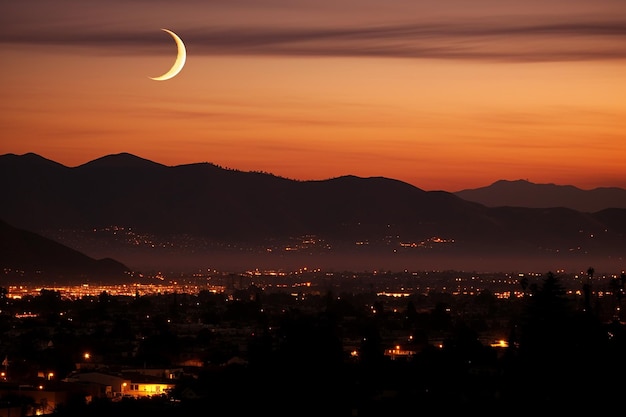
(31, 158)
(520, 181)
(121, 160)
(28, 155)
(526, 183)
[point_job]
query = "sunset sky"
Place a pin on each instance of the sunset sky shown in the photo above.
(445, 95)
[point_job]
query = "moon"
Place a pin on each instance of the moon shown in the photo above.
(180, 59)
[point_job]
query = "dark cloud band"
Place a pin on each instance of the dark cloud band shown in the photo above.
(477, 41)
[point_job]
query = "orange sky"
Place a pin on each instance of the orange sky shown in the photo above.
(442, 100)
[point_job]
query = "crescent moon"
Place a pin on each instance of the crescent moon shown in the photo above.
(180, 59)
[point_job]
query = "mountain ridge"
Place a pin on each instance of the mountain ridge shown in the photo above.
(129, 160)
(523, 193)
(243, 213)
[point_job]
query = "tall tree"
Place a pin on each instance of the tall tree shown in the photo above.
(587, 289)
(617, 288)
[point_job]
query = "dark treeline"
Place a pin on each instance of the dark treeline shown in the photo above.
(291, 355)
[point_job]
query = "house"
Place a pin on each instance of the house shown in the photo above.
(129, 383)
(108, 385)
(138, 385)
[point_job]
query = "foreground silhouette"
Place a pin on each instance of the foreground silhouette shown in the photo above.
(561, 355)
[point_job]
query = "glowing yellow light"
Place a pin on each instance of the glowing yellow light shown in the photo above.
(500, 343)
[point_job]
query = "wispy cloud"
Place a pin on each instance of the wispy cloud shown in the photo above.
(481, 40)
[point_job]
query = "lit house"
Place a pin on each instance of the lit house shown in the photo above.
(148, 382)
(142, 385)
(127, 384)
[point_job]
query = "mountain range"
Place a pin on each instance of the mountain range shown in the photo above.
(522, 193)
(149, 215)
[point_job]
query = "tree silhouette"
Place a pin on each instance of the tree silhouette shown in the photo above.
(371, 352)
(524, 283)
(544, 314)
(617, 288)
(560, 348)
(587, 289)
(410, 315)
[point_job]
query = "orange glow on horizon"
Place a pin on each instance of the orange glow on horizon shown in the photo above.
(437, 124)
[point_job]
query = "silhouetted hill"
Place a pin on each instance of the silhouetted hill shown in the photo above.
(29, 257)
(204, 211)
(227, 204)
(522, 193)
(12, 163)
(121, 160)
